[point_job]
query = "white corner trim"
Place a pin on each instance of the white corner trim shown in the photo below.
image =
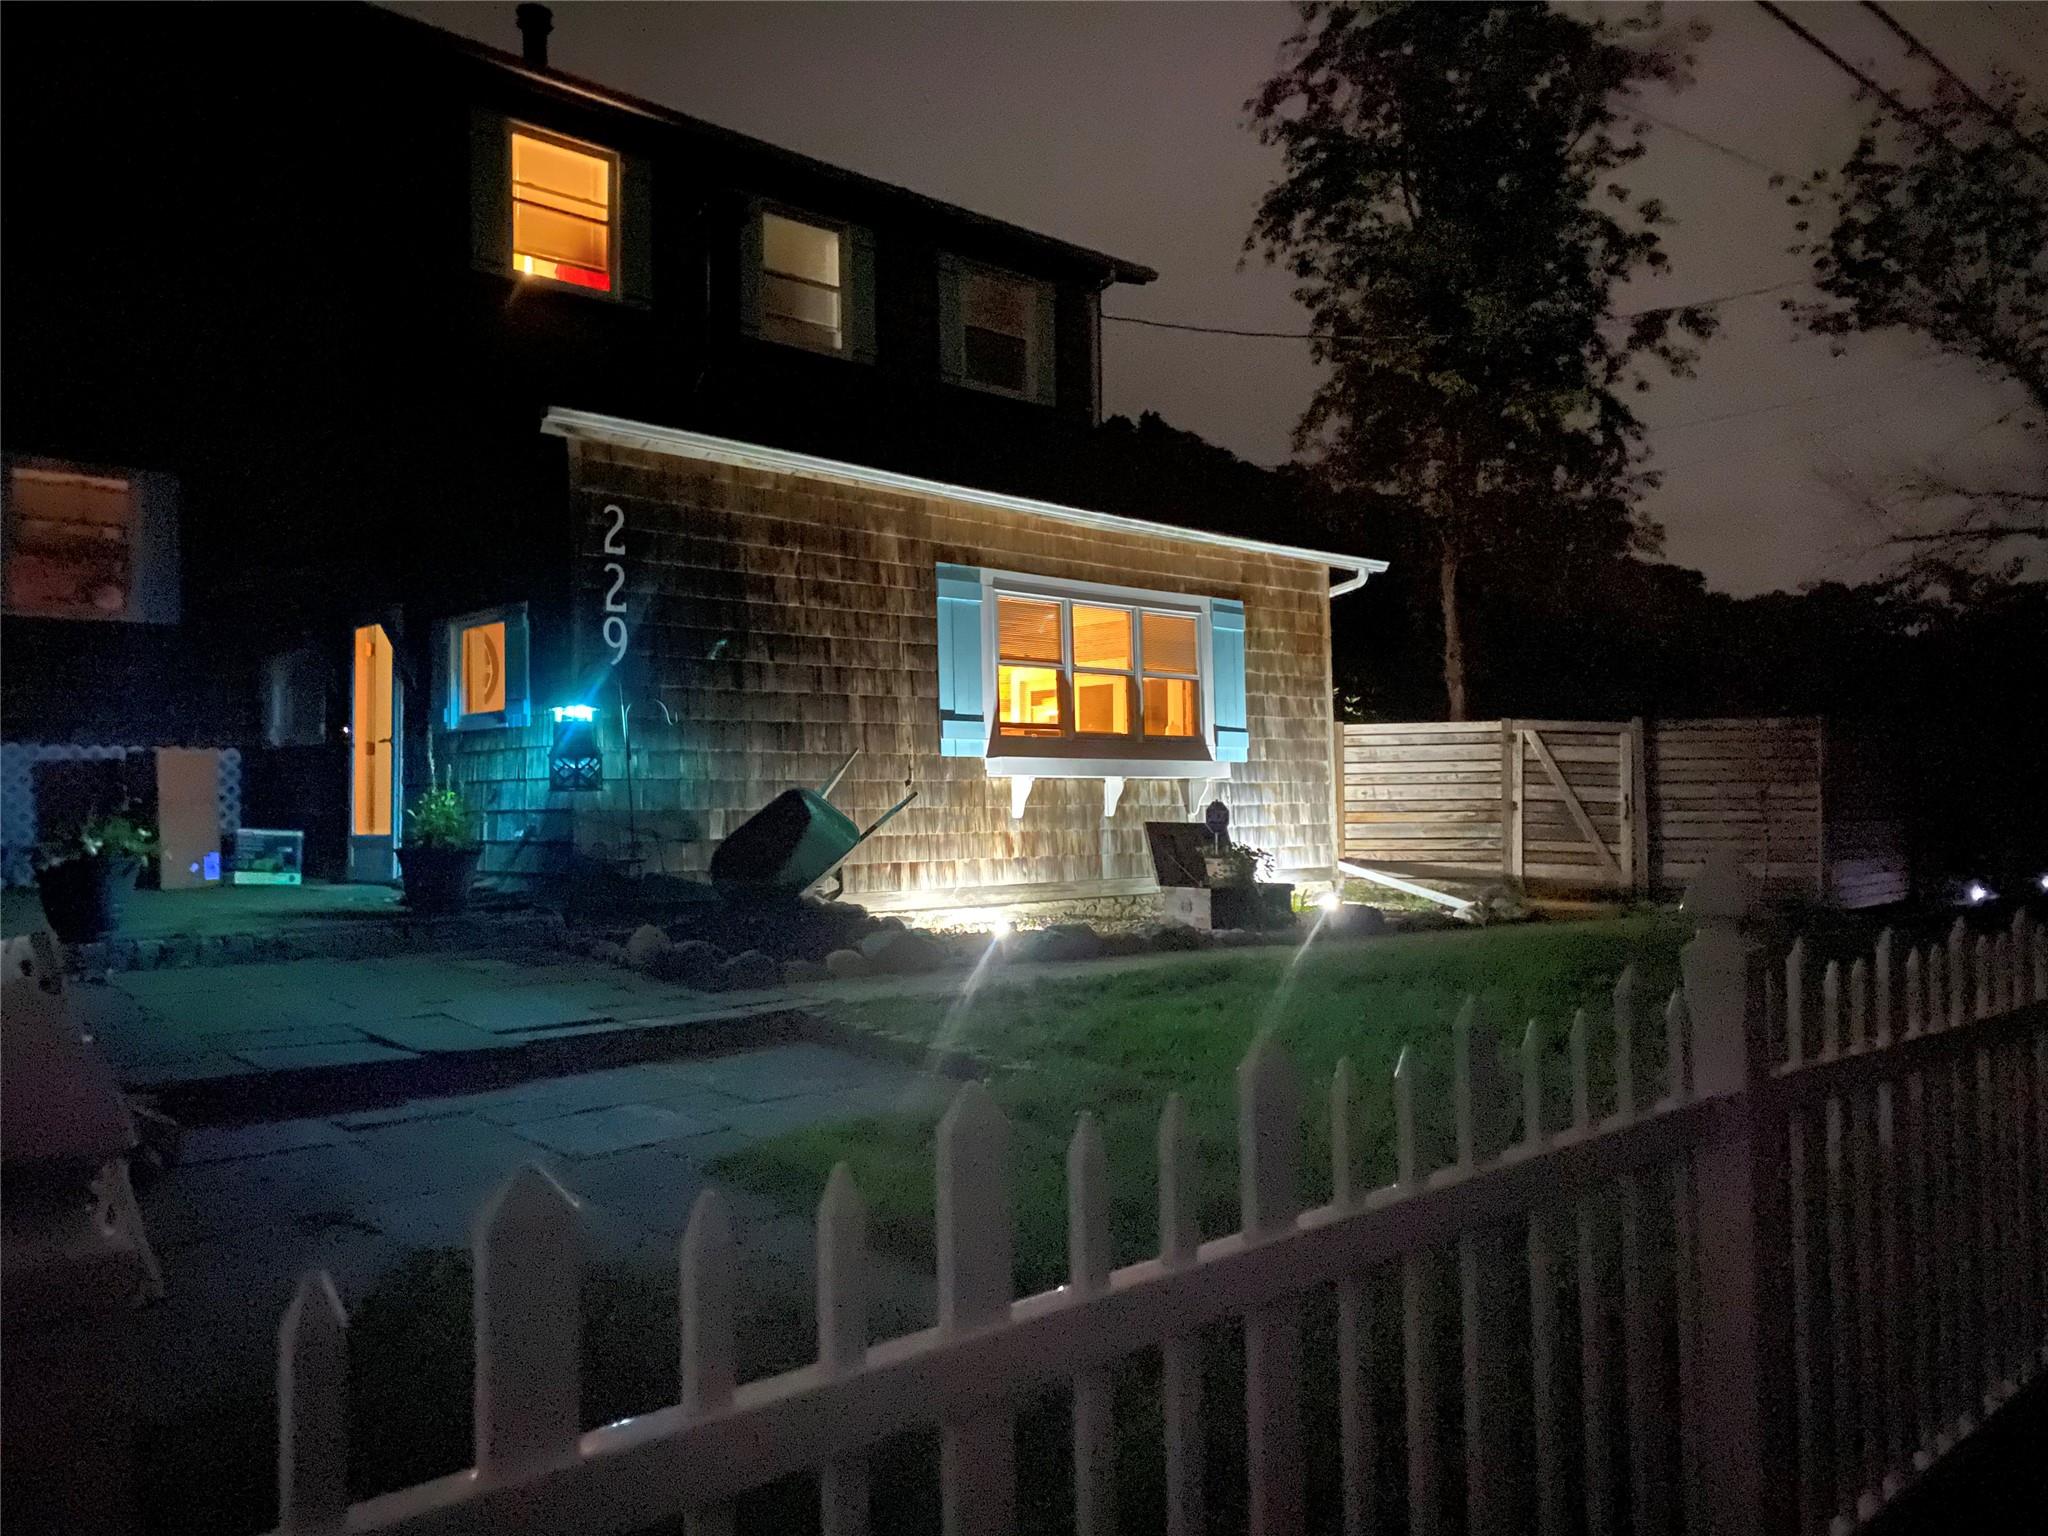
(1112, 793)
(592, 427)
(1020, 792)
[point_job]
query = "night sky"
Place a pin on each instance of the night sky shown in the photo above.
(1120, 126)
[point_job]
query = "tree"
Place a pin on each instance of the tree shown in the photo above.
(1938, 223)
(1450, 209)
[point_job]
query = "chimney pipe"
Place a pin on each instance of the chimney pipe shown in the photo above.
(535, 23)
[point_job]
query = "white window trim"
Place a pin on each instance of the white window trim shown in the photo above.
(844, 232)
(1097, 757)
(517, 712)
(615, 193)
(1039, 288)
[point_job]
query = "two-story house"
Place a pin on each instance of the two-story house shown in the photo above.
(381, 408)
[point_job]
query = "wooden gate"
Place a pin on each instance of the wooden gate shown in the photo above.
(1573, 804)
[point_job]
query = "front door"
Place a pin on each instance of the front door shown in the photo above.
(374, 784)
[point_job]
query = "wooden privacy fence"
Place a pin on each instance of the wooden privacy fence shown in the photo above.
(1756, 1296)
(1808, 805)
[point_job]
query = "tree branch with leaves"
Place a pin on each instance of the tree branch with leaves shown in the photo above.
(1937, 223)
(1452, 211)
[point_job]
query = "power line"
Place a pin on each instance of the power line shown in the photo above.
(1915, 46)
(1777, 14)
(1716, 145)
(1786, 405)
(1626, 314)
(1227, 330)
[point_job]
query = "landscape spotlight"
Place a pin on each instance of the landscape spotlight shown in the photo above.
(1976, 892)
(1329, 901)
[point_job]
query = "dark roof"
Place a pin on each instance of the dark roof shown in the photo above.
(1114, 268)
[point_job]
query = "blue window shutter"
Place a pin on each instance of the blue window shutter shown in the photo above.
(518, 678)
(636, 230)
(1226, 662)
(952, 339)
(1045, 346)
(443, 700)
(750, 271)
(490, 192)
(963, 716)
(857, 289)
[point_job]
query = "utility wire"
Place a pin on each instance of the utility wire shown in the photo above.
(1786, 405)
(1916, 47)
(1625, 314)
(1716, 145)
(1777, 14)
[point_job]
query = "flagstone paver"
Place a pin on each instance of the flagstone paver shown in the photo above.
(254, 1206)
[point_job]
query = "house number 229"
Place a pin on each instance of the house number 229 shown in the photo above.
(614, 605)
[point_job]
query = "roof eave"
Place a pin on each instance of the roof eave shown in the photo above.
(678, 442)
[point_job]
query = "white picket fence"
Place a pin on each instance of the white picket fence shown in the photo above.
(1822, 1241)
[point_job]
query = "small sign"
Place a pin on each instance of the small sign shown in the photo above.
(266, 856)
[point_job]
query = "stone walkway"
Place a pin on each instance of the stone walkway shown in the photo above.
(252, 1207)
(214, 1023)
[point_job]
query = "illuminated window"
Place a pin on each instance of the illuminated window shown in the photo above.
(1102, 678)
(1028, 668)
(998, 330)
(71, 539)
(563, 212)
(1128, 671)
(802, 283)
(484, 678)
(1172, 684)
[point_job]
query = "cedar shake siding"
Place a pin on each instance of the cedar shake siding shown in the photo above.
(785, 620)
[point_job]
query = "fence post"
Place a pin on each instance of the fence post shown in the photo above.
(1736, 1428)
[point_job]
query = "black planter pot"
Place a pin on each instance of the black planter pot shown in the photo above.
(437, 879)
(83, 898)
(1251, 906)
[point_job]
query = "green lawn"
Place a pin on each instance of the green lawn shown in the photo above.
(1119, 1042)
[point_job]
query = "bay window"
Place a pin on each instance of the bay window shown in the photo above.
(1108, 673)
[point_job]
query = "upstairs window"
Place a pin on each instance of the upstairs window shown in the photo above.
(90, 544)
(996, 330)
(563, 211)
(70, 544)
(802, 283)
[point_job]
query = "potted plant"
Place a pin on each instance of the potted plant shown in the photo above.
(439, 855)
(1237, 899)
(85, 878)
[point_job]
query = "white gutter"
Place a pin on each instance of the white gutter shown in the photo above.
(590, 427)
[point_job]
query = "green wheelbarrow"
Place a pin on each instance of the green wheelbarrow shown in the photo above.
(793, 842)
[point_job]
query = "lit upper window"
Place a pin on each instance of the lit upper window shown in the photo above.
(563, 212)
(997, 324)
(70, 544)
(802, 283)
(1076, 668)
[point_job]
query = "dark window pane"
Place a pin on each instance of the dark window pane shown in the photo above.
(996, 359)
